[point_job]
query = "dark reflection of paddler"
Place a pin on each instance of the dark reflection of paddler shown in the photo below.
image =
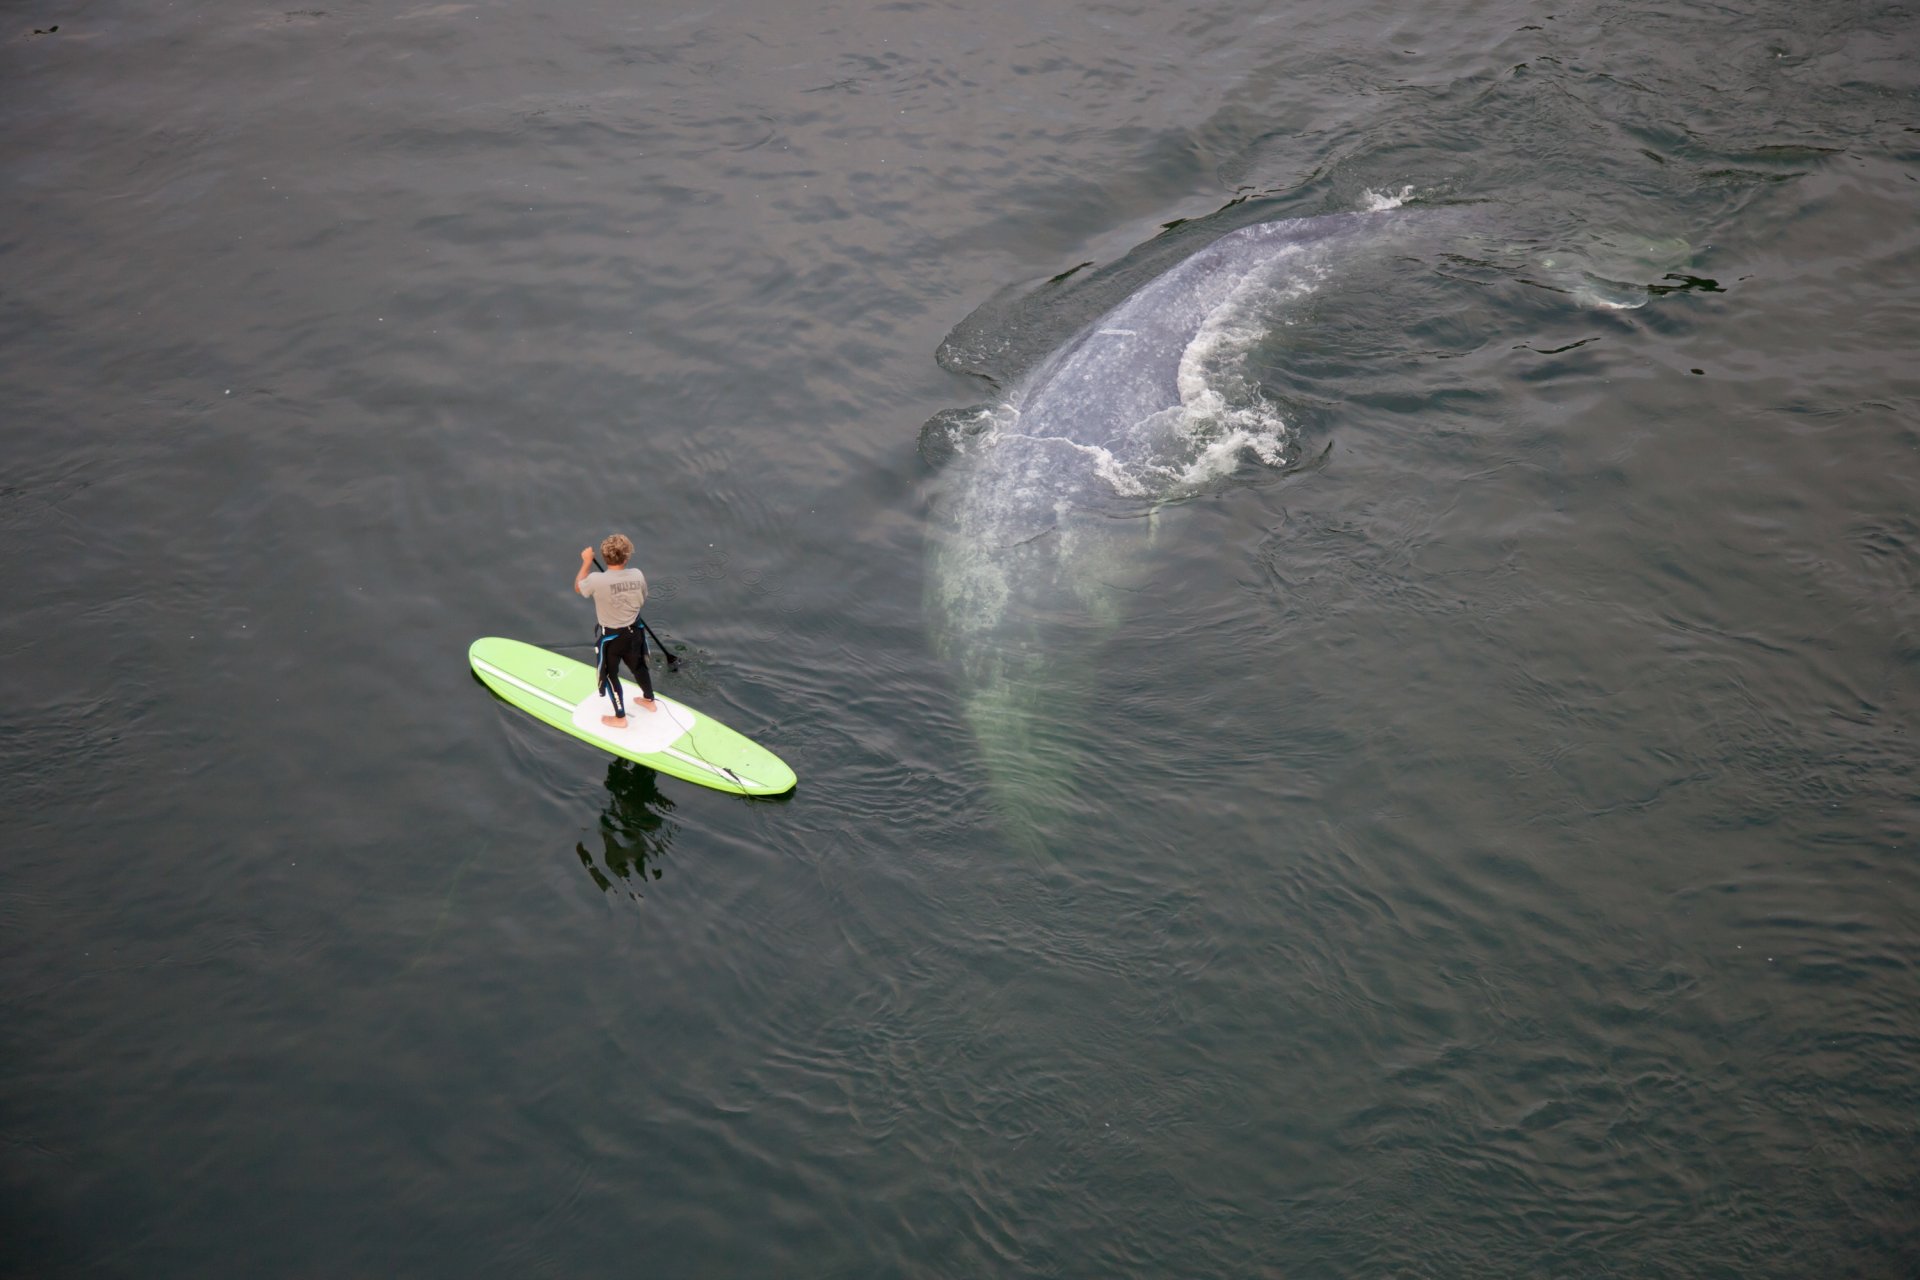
(634, 829)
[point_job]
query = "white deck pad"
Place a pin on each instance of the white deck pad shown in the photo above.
(646, 731)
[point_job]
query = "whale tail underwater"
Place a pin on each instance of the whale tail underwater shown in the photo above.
(1049, 496)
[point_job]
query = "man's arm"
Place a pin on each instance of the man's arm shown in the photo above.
(586, 567)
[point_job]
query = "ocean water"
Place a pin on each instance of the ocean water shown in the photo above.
(1478, 820)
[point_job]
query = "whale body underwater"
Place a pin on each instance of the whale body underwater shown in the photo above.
(1049, 501)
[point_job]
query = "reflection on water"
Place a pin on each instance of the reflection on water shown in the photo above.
(634, 830)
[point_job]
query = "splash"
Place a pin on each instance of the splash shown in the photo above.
(1381, 201)
(1223, 418)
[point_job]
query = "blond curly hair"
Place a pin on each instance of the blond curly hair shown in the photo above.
(616, 548)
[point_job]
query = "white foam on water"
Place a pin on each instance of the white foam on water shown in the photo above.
(1589, 296)
(1127, 481)
(1222, 418)
(1381, 201)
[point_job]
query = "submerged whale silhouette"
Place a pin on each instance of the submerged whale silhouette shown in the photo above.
(1046, 511)
(1049, 500)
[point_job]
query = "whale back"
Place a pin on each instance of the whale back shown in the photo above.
(1127, 365)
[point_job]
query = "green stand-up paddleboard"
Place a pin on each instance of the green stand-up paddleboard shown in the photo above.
(676, 739)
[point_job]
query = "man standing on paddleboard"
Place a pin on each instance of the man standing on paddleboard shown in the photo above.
(617, 593)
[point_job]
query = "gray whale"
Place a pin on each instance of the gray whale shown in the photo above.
(1048, 501)
(1052, 495)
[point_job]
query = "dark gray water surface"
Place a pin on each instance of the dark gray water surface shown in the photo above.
(1492, 844)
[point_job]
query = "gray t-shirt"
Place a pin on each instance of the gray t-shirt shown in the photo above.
(617, 595)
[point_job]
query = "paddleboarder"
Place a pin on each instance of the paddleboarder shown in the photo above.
(618, 593)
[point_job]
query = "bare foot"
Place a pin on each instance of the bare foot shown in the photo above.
(649, 704)
(614, 722)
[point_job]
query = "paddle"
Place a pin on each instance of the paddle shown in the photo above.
(673, 663)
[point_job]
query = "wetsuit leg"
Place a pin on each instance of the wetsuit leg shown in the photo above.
(636, 656)
(610, 671)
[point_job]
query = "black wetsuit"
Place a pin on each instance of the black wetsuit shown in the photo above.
(618, 644)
